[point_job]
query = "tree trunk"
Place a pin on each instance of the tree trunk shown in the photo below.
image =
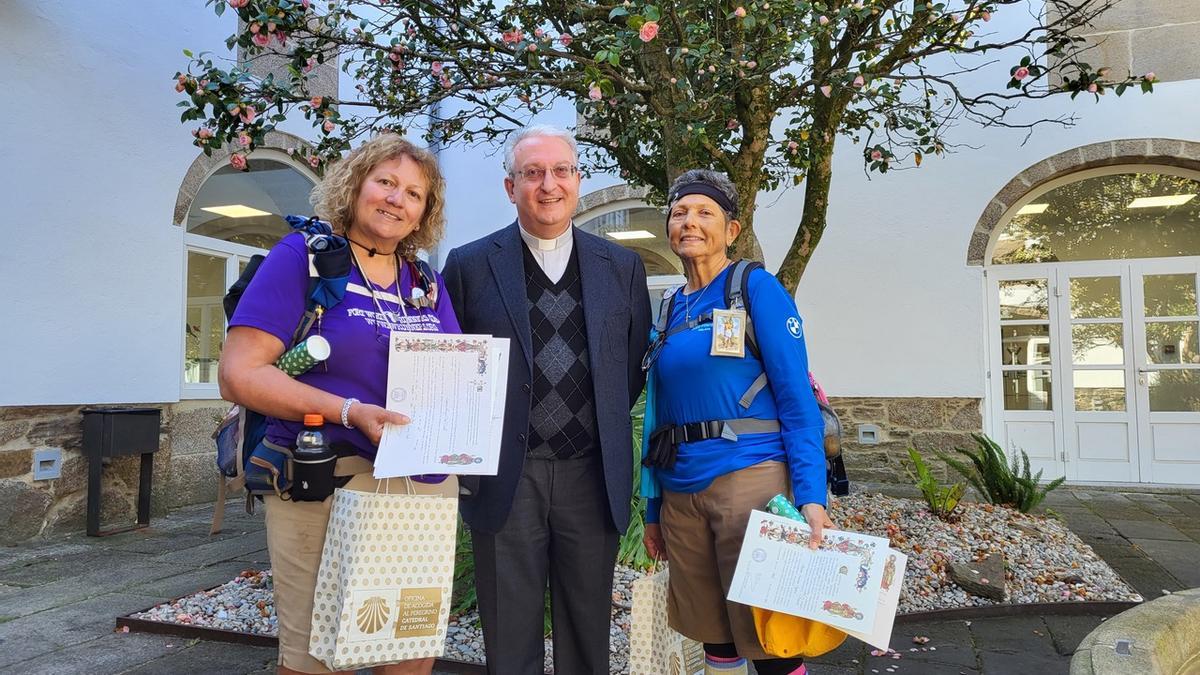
(812, 220)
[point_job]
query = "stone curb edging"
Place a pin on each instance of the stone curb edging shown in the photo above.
(1160, 636)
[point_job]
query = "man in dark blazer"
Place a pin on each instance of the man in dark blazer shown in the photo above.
(577, 312)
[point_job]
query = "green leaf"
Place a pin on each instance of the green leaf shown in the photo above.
(220, 8)
(748, 22)
(187, 53)
(652, 13)
(614, 59)
(617, 11)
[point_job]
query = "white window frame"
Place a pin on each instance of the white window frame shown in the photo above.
(234, 254)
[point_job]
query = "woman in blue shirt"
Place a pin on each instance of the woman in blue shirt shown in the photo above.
(723, 455)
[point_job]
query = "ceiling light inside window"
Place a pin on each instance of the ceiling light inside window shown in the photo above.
(235, 211)
(631, 234)
(1165, 200)
(1031, 209)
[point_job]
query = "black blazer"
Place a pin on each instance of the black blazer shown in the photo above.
(485, 281)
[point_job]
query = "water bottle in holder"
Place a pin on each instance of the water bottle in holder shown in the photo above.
(312, 463)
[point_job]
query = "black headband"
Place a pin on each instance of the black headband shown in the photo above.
(708, 190)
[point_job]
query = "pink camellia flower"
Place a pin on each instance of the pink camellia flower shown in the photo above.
(752, 64)
(281, 37)
(987, 16)
(255, 27)
(445, 80)
(792, 146)
(203, 132)
(823, 20)
(238, 161)
(238, 4)
(732, 124)
(1093, 88)
(261, 39)
(511, 37)
(876, 155)
(740, 12)
(649, 31)
(179, 87)
(248, 114)
(306, 3)
(436, 67)
(674, 81)
(859, 81)
(594, 93)
(1020, 73)
(827, 90)
(271, 26)
(244, 140)
(328, 126)
(1150, 77)
(314, 161)
(310, 64)
(538, 32)
(316, 101)
(565, 39)
(531, 47)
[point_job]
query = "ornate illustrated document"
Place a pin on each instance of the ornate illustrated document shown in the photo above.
(453, 389)
(852, 582)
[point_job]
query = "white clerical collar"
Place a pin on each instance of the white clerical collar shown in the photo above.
(539, 244)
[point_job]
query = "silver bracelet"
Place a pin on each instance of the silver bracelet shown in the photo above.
(346, 412)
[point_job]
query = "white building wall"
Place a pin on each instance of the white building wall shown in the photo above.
(89, 180)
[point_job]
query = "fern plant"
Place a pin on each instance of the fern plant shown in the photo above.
(998, 479)
(942, 500)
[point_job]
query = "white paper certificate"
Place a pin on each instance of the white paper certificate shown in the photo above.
(852, 582)
(452, 387)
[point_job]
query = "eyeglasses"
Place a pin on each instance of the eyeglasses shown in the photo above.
(537, 174)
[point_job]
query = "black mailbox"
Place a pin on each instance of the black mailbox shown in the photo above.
(119, 432)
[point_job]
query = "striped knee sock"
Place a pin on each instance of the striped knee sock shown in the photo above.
(720, 665)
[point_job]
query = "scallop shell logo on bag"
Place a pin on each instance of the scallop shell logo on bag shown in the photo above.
(373, 615)
(676, 664)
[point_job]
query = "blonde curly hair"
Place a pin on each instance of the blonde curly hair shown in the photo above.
(333, 199)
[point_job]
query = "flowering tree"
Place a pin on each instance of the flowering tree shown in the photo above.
(761, 90)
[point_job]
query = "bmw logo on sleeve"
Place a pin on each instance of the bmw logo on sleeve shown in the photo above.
(793, 326)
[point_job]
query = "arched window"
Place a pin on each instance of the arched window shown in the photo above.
(234, 215)
(1105, 214)
(621, 215)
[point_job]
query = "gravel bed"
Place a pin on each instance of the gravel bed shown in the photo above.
(1046, 562)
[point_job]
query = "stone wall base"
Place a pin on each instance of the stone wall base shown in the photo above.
(184, 469)
(921, 423)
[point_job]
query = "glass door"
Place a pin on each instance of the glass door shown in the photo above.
(1023, 384)
(1095, 368)
(1167, 357)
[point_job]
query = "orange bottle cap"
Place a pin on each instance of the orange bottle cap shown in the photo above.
(313, 420)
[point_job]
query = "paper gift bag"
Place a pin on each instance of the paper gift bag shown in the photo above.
(383, 588)
(654, 647)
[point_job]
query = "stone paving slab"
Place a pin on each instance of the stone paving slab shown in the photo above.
(1066, 632)
(261, 558)
(39, 634)
(194, 580)
(1148, 529)
(210, 658)
(1181, 559)
(207, 554)
(113, 653)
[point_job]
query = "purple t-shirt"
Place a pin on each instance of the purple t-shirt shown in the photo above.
(357, 365)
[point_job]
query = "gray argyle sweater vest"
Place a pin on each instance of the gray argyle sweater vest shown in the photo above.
(562, 414)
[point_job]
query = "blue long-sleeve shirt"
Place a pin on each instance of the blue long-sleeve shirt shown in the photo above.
(690, 385)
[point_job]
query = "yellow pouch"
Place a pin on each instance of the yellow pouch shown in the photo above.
(786, 635)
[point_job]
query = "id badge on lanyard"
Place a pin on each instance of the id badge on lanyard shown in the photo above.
(728, 332)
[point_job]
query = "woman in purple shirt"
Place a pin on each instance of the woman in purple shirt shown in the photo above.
(387, 199)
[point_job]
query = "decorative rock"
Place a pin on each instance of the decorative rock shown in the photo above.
(984, 578)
